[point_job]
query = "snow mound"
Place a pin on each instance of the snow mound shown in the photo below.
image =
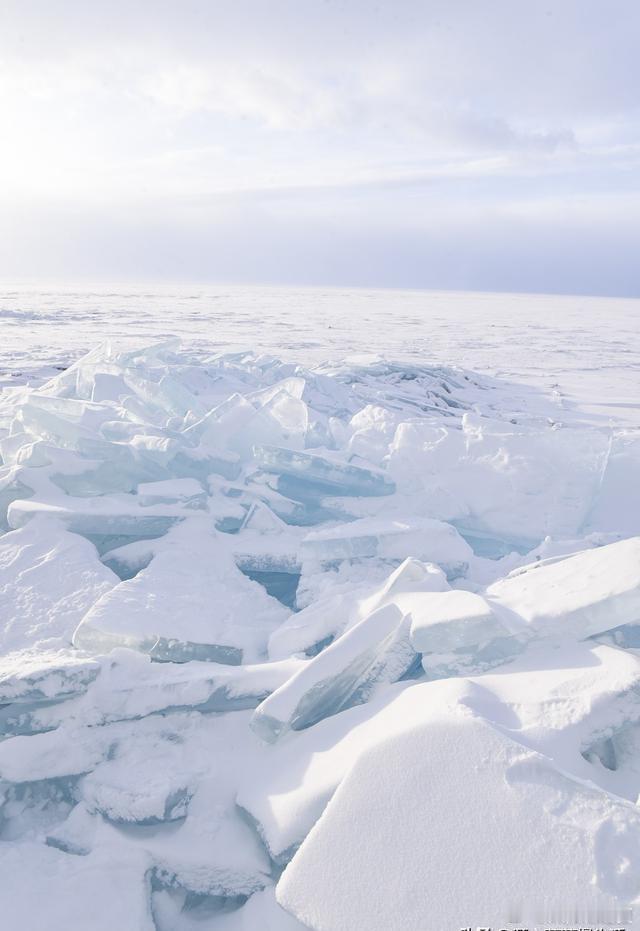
(456, 797)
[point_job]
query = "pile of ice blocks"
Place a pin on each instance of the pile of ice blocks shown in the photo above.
(269, 634)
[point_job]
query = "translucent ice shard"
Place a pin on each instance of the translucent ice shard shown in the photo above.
(304, 474)
(318, 624)
(375, 650)
(459, 632)
(429, 540)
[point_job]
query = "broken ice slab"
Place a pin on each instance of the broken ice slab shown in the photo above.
(343, 605)
(253, 553)
(421, 538)
(12, 444)
(108, 386)
(213, 853)
(76, 834)
(95, 478)
(190, 603)
(129, 686)
(163, 649)
(126, 559)
(187, 492)
(34, 676)
(206, 851)
(303, 513)
(141, 688)
(509, 481)
(11, 489)
(271, 560)
(196, 463)
(577, 596)
(97, 518)
(141, 783)
(304, 474)
(376, 650)
(446, 621)
(216, 430)
(459, 633)
(299, 775)
(62, 420)
(493, 546)
(50, 578)
(237, 423)
(56, 754)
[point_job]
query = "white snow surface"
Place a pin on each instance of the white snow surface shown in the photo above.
(324, 615)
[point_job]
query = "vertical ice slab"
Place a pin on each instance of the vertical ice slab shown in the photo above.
(345, 673)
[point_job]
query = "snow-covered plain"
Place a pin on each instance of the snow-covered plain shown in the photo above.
(319, 609)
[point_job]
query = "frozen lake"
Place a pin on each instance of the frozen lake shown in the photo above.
(583, 351)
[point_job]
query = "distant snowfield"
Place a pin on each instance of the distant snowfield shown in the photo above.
(581, 349)
(318, 609)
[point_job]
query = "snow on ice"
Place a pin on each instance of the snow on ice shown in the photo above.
(337, 646)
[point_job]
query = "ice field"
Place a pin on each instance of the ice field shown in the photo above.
(318, 609)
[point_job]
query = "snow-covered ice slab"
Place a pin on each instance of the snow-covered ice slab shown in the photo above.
(49, 578)
(35, 676)
(453, 823)
(126, 685)
(445, 621)
(191, 602)
(460, 633)
(425, 539)
(578, 596)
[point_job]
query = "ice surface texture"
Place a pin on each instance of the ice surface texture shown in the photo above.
(347, 621)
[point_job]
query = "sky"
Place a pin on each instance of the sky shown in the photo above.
(449, 144)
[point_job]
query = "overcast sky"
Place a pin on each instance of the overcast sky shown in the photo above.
(482, 144)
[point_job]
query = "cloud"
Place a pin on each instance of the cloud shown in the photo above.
(305, 119)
